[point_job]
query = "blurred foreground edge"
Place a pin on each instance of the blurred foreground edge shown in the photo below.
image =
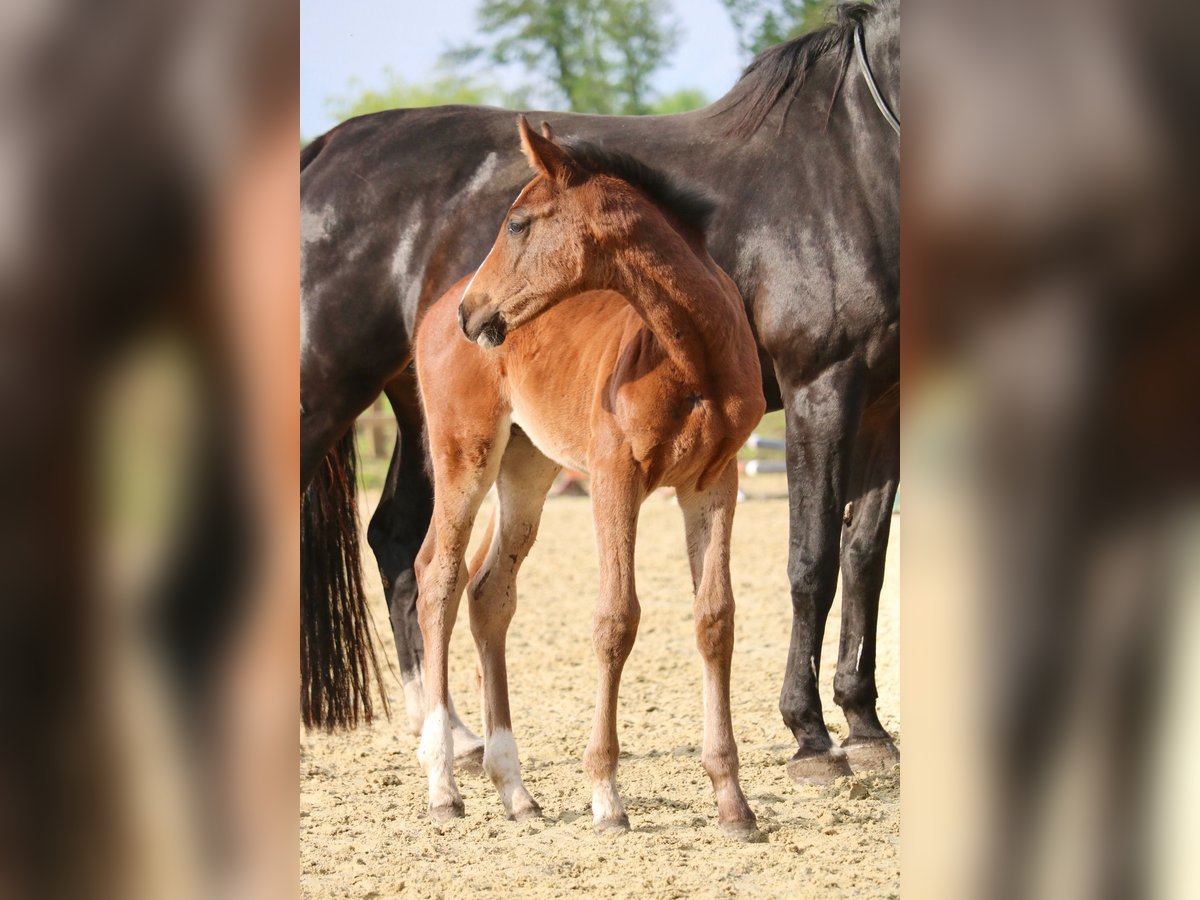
(148, 449)
(1051, 449)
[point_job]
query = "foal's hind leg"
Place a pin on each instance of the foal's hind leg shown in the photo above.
(616, 497)
(464, 468)
(525, 477)
(708, 519)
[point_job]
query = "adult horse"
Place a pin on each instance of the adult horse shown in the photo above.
(804, 167)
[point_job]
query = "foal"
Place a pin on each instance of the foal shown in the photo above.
(599, 326)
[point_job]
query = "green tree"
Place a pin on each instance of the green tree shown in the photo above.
(677, 102)
(761, 23)
(395, 93)
(596, 55)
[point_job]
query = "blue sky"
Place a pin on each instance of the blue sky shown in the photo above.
(345, 39)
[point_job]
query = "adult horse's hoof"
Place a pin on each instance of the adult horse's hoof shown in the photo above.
(613, 825)
(743, 830)
(819, 768)
(469, 759)
(872, 755)
(441, 814)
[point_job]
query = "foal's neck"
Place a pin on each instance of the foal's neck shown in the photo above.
(680, 298)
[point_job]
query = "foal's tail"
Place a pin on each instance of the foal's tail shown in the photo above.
(337, 657)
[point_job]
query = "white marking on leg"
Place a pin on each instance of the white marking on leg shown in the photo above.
(606, 802)
(436, 754)
(858, 660)
(812, 664)
(503, 766)
(414, 698)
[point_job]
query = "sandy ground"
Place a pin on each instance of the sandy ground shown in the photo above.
(364, 829)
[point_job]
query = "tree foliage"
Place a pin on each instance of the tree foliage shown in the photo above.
(593, 55)
(761, 23)
(395, 92)
(678, 101)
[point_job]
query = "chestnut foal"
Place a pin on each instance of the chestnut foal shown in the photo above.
(601, 329)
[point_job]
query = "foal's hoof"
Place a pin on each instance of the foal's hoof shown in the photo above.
(872, 755)
(441, 814)
(819, 768)
(531, 811)
(613, 825)
(469, 759)
(743, 830)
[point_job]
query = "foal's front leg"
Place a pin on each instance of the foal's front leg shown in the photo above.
(708, 519)
(525, 478)
(616, 497)
(463, 472)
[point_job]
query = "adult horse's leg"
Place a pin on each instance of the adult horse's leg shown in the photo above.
(616, 496)
(708, 520)
(525, 478)
(395, 533)
(464, 468)
(821, 416)
(864, 552)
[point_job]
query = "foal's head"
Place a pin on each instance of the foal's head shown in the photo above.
(565, 230)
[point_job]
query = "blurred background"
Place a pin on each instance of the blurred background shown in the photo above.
(627, 57)
(148, 455)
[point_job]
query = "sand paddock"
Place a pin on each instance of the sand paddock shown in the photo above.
(364, 829)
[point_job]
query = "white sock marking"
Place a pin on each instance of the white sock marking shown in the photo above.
(503, 766)
(436, 754)
(414, 698)
(606, 802)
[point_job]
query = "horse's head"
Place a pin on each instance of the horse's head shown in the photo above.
(544, 250)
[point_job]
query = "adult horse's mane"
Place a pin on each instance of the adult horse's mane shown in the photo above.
(779, 72)
(690, 206)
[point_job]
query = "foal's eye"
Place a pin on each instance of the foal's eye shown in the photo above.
(516, 226)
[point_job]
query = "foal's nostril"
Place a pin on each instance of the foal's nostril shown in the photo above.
(462, 320)
(493, 332)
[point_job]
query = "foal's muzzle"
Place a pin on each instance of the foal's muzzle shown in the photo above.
(484, 327)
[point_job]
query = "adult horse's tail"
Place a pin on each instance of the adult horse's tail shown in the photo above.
(337, 657)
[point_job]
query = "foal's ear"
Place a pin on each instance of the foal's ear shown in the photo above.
(546, 156)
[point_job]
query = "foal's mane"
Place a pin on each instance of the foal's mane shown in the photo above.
(692, 207)
(779, 72)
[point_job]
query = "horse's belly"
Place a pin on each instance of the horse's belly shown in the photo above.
(568, 451)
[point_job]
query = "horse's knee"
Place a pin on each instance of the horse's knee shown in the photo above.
(437, 579)
(614, 631)
(714, 628)
(812, 576)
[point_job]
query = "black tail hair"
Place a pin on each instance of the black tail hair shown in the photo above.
(337, 655)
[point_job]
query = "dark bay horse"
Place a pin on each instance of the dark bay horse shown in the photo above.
(804, 169)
